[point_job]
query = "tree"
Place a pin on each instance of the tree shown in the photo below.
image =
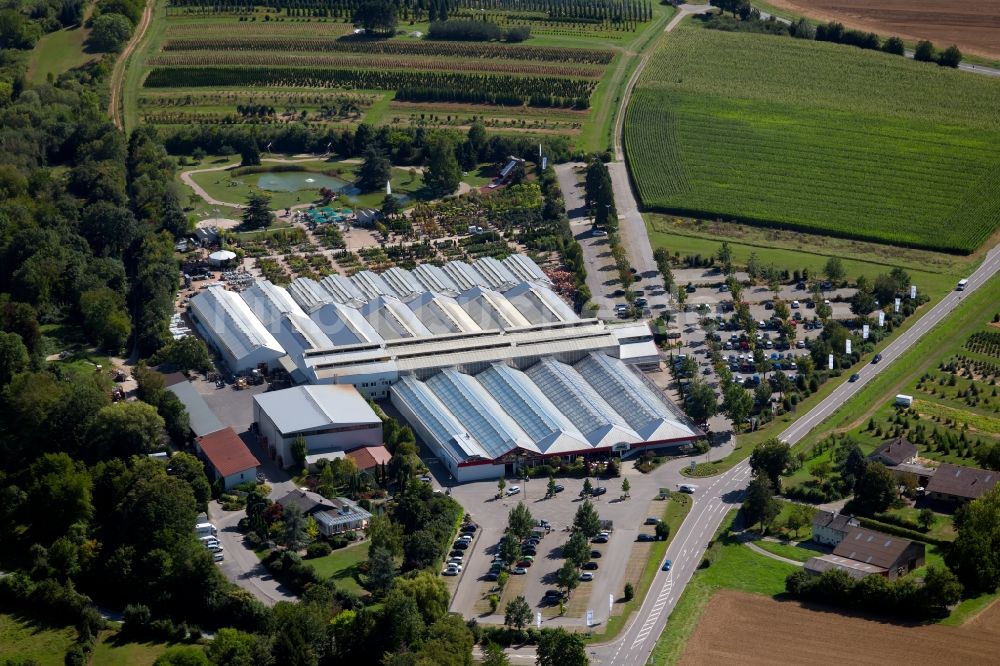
(57, 496)
(125, 429)
(567, 577)
(577, 549)
(736, 403)
(941, 589)
(295, 527)
(626, 486)
(109, 33)
(924, 52)
(760, 506)
(588, 487)
(390, 206)
(558, 647)
(629, 592)
(186, 354)
(586, 520)
(384, 533)
(105, 318)
(300, 449)
(238, 648)
(950, 57)
(377, 16)
(501, 484)
(799, 517)
(517, 613)
(510, 551)
(834, 269)
(894, 45)
(375, 170)
(186, 466)
(703, 404)
(14, 357)
(975, 554)
(449, 643)
(925, 518)
(493, 655)
(381, 570)
(257, 213)
(109, 229)
(430, 593)
(725, 257)
(443, 173)
(520, 522)
(550, 489)
(184, 655)
(662, 531)
(250, 155)
(875, 490)
(770, 458)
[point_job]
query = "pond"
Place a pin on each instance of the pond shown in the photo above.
(293, 181)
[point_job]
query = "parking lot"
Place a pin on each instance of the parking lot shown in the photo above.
(627, 517)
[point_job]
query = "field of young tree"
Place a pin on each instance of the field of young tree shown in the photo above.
(817, 137)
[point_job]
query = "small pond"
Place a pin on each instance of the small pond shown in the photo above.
(293, 181)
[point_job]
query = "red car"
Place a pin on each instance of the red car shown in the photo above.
(524, 563)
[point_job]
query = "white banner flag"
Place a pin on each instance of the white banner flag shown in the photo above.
(847, 346)
(897, 306)
(913, 291)
(538, 619)
(881, 318)
(611, 602)
(590, 618)
(829, 362)
(864, 331)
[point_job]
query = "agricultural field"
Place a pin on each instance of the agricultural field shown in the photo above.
(973, 26)
(894, 152)
(753, 629)
(220, 64)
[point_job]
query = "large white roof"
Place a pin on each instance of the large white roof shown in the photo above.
(489, 309)
(442, 314)
(344, 325)
(231, 324)
(307, 408)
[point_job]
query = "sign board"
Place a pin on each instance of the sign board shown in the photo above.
(538, 619)
(590, 618)
(881, 318)
(864, 331)
(829, 362)
(545, 162)
(897, 306)
(620, 447)
(611, 602)
(913, 291)
(847, 346)
(693, 464)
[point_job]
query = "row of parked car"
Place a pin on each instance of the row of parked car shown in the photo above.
(456, 558)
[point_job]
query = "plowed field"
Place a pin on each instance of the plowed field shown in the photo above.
(748, 629)
(973, 25)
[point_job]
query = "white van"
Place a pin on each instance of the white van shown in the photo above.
(205, 529)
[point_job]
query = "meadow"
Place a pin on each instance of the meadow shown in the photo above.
(816, 137)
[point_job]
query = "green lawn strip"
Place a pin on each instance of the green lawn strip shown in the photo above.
(376, 112)
(341, 566)
(737, 568)
(109, 651)
(25, 639)
(783, 156)
(787, 550)
(969, 608)
(933, 272)
(674, 512)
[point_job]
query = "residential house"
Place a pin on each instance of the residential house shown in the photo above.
(333, 516)
(896, 556)
(956, 484)
(899, 455)
(228, 457)
(369, 458)
(830, 528)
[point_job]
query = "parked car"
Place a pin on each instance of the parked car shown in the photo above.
(218, 557)
(645, 537)
(450, 571)
(560, 488)
(519, 571)
(652, 521)
(599, 539)
(595, 554)
(524, 563)
(513, 490)
(491, 576)
(460, 545)
(598, 232)
(586, 575)
(469, 528)
(528, 550)
(553, 596)
(590, 566)
(666, 565)
(600, 490)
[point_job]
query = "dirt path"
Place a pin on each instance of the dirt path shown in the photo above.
(118, 73)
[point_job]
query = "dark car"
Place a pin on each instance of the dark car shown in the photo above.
(590, 566)
(560, 488)
(646, 537)
(456, 553)
(491, 576)
(529, 551)
(599, 539)
(855, 377)
(600, 490)
(666, 565)
(595, 554)
(877, 358)
(553, 596)
(460, 545)
(470, 528)
(652, 521)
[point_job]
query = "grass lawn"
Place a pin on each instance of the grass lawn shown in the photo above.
(737, 568)
(59, 52)
(109, 651)
(24, 639)
(342, 565)
(674, 512)
(797, 553)
(895, 152)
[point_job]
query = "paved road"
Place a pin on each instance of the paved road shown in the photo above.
(719, 494)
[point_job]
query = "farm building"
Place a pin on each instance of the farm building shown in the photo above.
(899, 455)
(228, 457)
(893, 555)
(203, 420)
(830, 528)
(333, 516)
(956, 484)
(328, 417)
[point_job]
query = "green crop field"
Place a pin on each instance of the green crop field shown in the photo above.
(817, 137)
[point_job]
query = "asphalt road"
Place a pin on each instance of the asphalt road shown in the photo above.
(717, 495)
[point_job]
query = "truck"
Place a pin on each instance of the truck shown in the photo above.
(205, 529)
(904, 400)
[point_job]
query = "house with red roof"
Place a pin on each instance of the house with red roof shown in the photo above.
(228, 457)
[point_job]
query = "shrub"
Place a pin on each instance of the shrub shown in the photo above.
(518, 34)
(629, 592)
(110, 32)
(466, 31)
(318, 549)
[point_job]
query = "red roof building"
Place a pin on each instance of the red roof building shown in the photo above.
(229, 457)
(369, 457)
